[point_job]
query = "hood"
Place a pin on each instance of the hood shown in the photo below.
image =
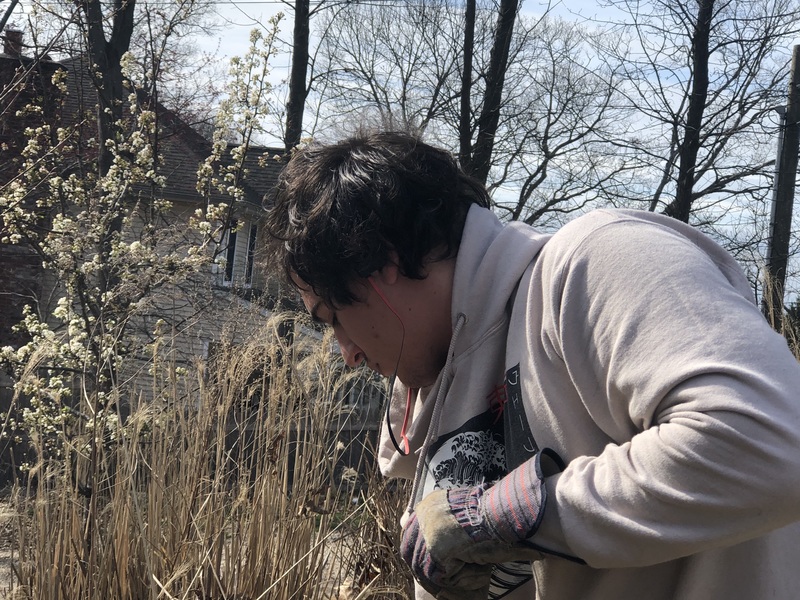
(491, 260)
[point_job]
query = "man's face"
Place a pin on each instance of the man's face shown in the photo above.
(370, 332)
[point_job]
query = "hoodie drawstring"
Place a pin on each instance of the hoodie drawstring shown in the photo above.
(433, 428)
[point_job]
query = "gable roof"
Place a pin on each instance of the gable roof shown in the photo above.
(181, 148)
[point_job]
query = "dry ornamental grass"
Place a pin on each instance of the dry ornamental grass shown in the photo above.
(225, 484)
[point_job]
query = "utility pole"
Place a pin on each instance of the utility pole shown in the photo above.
(783, 199)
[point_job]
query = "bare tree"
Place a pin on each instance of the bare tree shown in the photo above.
(163, 60)
(416, 62)
(298, 90)
(704, 79)
(106, 44)
(561, 128)
(558, 125)
(302, 70)
(391, 66)
(170, 69)
(465, 117)
(480, 161)
(687, 156)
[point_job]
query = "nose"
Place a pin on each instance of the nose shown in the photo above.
(352, 354)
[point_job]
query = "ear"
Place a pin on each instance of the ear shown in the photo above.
(390, 272)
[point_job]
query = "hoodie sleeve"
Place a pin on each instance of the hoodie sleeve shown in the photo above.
(661, 339)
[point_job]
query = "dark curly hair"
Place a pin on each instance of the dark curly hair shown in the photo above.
(338, 210)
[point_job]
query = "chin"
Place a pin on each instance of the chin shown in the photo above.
(421, 377)
(418, 381)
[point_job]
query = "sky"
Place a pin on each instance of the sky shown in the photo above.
(239, 17)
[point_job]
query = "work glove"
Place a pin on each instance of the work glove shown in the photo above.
(455, 536)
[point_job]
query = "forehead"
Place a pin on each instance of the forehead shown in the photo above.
(304, 289)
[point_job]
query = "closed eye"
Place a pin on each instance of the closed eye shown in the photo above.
(315, 316)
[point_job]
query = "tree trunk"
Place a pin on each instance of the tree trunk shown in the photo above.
(297, 78)
(681, 206)
(106, 54)
(465, 114)
(490, 114)
(109, 82)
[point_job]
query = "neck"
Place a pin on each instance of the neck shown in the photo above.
(431, 300)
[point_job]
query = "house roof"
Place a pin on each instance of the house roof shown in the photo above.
(182, 149)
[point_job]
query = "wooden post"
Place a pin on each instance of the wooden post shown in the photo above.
(783, 200)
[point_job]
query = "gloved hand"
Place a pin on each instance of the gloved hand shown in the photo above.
(455, 536)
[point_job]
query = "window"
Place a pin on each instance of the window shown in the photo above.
(230, 253)
(251, 255)
(239, 255)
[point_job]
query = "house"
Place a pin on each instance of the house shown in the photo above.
(199, 311)
(227, 298)
(233, 276)
(23, 80)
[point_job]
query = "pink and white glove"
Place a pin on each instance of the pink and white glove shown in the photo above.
(455, 536)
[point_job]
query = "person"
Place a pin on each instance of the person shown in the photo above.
(602, 413)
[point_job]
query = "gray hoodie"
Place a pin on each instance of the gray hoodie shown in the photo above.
(630, 344)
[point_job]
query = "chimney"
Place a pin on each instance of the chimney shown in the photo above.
(12, 45)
